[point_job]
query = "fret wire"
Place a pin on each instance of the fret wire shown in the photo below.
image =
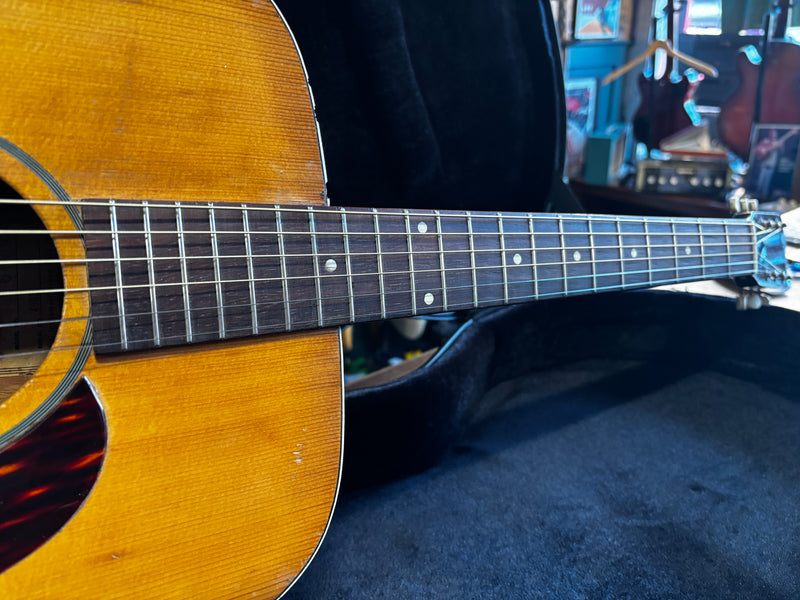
(593, 256)
(563, 251)
(301, 277)
(349, 272)
(151, 274)
(411, 276)
(649, 252)
(674, 243)
(123, 328)
(217, 271)
(472, 261)
(315, 253)
(702, 252)
(184, 272)
(503, 254)
(441, 260)
(287, 316)
(534, 266)
(620, 246)
(727, 242)
(376, 227)
(251, 272)
(754, 242)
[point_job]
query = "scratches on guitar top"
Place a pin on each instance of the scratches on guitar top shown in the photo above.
(46, 476)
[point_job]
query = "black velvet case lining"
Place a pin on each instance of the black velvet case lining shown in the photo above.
(435, 104)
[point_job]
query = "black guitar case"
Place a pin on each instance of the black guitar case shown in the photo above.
(637, 445)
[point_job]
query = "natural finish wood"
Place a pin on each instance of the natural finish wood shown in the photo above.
(222, 462)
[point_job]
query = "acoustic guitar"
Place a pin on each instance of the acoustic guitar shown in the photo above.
(172, 285)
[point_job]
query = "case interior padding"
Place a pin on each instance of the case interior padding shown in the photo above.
(636, 445)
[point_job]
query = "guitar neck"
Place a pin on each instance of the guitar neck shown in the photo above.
(175, 273)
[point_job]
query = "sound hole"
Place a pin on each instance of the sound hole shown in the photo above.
(28, 321)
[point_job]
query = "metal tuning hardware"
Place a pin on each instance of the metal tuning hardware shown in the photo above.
(772, 268)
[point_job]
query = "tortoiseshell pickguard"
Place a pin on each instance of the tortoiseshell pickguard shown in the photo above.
(46, 476)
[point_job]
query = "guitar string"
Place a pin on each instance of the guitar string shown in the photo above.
(704, 241)
(747, 229)
(349, 211)
(377, 315)
(700, 256)
(540, 281)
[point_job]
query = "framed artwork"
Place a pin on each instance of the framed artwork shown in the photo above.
(581, 96)
(597, 19)
(773, 161)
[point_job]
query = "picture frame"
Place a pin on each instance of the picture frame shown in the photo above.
(773, 160)
(597, 19)
(581, 99)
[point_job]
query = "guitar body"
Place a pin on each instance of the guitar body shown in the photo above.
(780, 98)
(662, 110)
(203, 471)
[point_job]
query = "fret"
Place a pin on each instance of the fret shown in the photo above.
(298, 257)
(607, 254)
(549, 257)
(517, 257)
(233, 259)
(488, 258)
(728, 251)
(472, 260)
(578, 265)
(411, 275)
(377, 229)
(251, 277)
(204, 304)
(649, 253)
(622, 250)
(315, 258)
(115, 245)
(287, 314)
(267, 276)
(503, 255)
(459, 283)
(534, 273)
(425, 261)
(715, 250)
(675, 248)
(184, 272)
(217, 271)
(441, 260)
(690, 265)
(396, 263)
(562, 242)
(661, 254)
(593, 258)
(367, 281)
(151, 275)
(349, 269)
(333, 283)
(635, 258)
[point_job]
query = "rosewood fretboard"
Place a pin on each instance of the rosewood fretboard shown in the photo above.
(175, 273)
